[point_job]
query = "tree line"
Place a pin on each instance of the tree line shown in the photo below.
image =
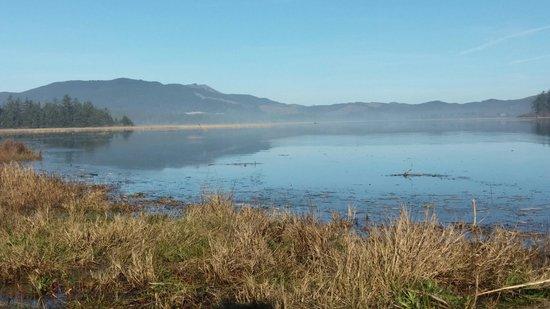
(541, 105)
(69, 112)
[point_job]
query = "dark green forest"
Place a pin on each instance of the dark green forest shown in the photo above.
(541, 105)
(69, 112)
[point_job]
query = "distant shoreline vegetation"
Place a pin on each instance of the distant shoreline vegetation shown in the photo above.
(540, 107)
(69, 112)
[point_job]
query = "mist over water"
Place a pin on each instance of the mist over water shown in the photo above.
(327, 167)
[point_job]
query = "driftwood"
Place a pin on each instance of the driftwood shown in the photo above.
(515, 287)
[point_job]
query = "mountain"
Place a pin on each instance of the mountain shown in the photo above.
(153, 102)
(430, 110)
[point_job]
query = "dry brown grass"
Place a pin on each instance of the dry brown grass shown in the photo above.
(58, 237)
(24, 190)
(206, 126)
(16, 151)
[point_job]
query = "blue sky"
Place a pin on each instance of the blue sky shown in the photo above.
(305, 52)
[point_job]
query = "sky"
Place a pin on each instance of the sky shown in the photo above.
(303, 52)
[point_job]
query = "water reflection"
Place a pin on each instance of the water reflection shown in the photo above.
(85, 141)
(173, 149)
(542, 127)
(328, 166)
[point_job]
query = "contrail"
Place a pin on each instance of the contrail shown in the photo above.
(502, 39)
(529, 59)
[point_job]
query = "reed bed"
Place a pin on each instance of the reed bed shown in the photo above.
(16, 151)
(68, 241)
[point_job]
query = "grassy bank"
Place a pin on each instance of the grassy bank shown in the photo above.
(67, 240)
(17, 151)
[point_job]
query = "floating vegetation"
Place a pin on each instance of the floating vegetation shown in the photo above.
(243, 164)
(409, 174)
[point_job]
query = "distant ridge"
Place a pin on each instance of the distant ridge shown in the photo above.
(150, 102)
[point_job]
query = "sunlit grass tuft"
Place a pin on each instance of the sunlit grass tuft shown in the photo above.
(16, 151)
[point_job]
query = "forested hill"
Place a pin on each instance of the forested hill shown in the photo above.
(69, 112)
(156, 103)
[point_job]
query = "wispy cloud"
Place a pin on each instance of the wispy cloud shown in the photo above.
(519, 61)
(504, 38)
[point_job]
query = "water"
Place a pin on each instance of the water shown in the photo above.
(323, 168)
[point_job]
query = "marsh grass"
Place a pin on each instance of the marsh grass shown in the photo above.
(60, 238)
(16, 151)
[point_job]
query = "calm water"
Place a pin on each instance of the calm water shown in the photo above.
(322, 168)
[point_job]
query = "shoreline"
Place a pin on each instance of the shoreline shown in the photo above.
(252, 125)
(87, 250)
(177, 127)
